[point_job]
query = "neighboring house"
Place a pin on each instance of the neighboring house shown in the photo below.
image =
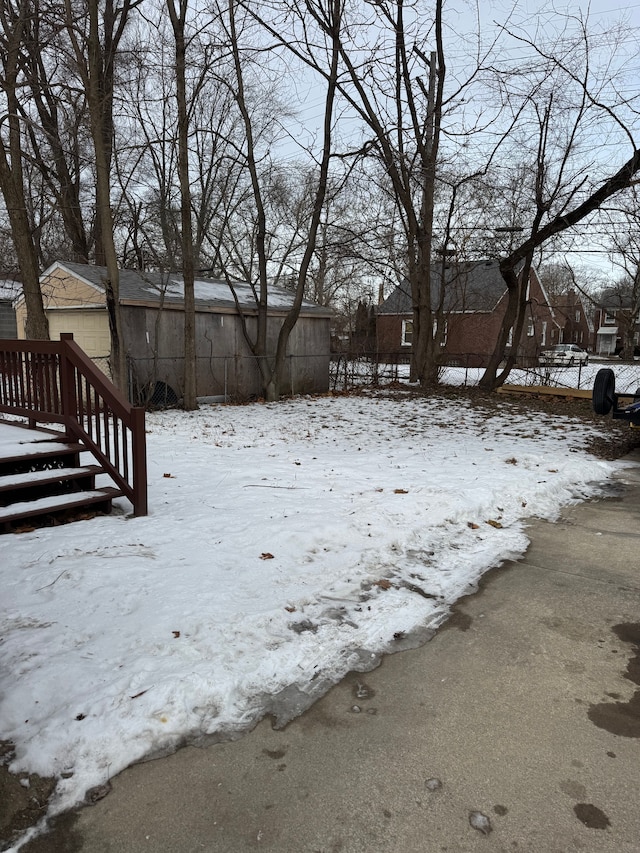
(613, 321)
(474, 305)
(9, 293)
(574, 319)
(152, 312)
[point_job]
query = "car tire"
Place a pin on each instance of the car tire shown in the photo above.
(603, 390)
(637, 394)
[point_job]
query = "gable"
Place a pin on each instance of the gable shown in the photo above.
(64, 288)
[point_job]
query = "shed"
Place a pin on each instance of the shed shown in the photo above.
(152, 311)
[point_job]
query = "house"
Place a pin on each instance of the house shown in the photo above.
(615, 321)
(152, 313)
(574, 318)
(474, 304)
(9, 292)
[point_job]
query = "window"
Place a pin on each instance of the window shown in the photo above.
(445, 332)
(530, 329)
(407, 333)
(578, 316)
(609, 316)
(543, 340)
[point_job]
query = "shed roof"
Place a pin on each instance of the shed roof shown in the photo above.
(144, 288)
(470, 286)
(10, 290)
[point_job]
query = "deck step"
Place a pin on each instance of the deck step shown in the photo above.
(47, 475)
(57, 504)
(42, 450)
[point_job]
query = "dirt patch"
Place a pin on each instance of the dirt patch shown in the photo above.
(616, 439)
(23, 798)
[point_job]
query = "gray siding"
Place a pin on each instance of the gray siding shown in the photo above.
(225, 366)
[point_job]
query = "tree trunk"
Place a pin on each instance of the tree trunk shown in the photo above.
(12, 182)
(178, 20)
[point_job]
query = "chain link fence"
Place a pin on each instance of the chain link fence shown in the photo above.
(158, 383)
(349, 372)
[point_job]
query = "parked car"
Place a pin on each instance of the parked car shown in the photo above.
(564, 354)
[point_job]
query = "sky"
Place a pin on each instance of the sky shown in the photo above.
(286, 545)
(583, 247)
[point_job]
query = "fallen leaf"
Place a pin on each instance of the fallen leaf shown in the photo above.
(81, 716)
(176, 634)
(266, 556)
(472, 525)
(169, 476)
(290, 609)
(400, 492)
(494, 523)
(553, 470)
(383, 583)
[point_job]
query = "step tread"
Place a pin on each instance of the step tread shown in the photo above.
(55, 503)
(42, 450)
(47, 475)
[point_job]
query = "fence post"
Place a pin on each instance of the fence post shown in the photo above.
(139, 461)
(293, 392)
(67, 384)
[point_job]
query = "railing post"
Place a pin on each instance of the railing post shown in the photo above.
(67, 384)
(139, 461)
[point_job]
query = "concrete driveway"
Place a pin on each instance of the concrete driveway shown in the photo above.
(517, 728)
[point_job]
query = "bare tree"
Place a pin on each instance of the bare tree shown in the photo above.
(563, 100)
(303, 240)
(178, 17)
(14, 21)
(95, 32)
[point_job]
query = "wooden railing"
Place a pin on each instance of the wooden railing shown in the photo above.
(56, 382)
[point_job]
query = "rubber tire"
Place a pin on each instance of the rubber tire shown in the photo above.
(603, 390)
(637, 394)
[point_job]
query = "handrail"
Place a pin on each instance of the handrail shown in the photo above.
(56, 382)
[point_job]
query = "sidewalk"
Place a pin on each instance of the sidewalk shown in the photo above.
(521, 708)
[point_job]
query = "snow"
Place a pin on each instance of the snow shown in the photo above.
(220, 291)
(286, 545)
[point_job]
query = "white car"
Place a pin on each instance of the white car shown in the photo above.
(564, 354)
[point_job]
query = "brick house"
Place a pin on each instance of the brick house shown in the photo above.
(574, 319)
(475, 301)
(614, 320)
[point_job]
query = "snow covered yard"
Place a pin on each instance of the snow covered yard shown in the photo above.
(286, 545)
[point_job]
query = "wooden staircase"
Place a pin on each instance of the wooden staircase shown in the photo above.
(48, 475)
(42, 479)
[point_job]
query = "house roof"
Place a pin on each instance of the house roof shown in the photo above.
(151, 288)
(470, 286)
